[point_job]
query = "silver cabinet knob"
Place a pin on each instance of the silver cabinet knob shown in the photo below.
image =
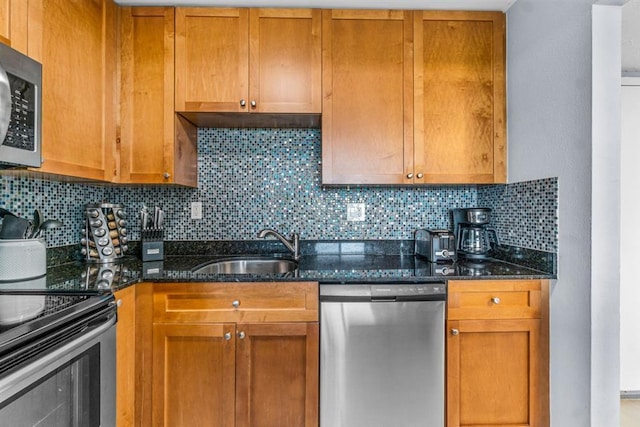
(243, 103)
(253, 103)
(420, 176)
(455, 332)
(236, 303)
(166, 175)
(119, 303)
(241, 335)
(495, 300)
(409, 175)
(227, 336)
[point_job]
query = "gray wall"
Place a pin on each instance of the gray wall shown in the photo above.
(549, 117)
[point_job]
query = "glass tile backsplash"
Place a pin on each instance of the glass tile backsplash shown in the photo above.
(251, 179)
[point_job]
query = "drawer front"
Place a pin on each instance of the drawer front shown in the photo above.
(235, 302)
(493, 299)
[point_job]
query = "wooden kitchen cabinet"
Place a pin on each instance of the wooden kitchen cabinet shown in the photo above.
(133, 353)
(242, 354)
(76, 43)
(14, 24)
(367, 84)
(460, 102)
(497, 353)
(156, 145)
(413, 97)
(248, 60)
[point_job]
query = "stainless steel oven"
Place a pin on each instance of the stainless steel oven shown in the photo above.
(58, 369)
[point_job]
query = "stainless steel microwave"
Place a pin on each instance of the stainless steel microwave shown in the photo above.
(20, 109)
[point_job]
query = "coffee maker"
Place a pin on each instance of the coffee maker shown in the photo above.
(474, 238)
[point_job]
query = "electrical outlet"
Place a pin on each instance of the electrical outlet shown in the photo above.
(196, 210)
(355, 211)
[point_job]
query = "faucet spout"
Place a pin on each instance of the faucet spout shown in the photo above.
(292, 244)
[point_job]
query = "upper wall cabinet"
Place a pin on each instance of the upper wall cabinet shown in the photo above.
(367, 112)
(460, 118)
(13, 24)
(413, 97)
(248, 60)
(76, 43)
(156, 146)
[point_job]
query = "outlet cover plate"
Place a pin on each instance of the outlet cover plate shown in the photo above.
(355, 211)
(196, 210)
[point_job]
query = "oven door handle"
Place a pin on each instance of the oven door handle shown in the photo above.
(42, 365)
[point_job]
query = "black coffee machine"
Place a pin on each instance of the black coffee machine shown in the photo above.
(474, 239)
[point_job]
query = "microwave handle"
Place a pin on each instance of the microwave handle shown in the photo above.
(5, 104)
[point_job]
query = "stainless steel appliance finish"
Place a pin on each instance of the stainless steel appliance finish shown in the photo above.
(58, 370)
(20, 108)
(382, 355)
(436, 245)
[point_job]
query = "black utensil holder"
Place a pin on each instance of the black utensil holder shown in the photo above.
(152, 244)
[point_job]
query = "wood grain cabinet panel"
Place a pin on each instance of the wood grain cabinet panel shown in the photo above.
(367, 112)
(217, 363)
(248, 60)
(413, 97)
(193, 375)
(498, 357)
(76, 43)
(156, 146)
(14, 23)
(460, 118)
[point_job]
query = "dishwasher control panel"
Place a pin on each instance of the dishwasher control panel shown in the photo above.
(384, 292)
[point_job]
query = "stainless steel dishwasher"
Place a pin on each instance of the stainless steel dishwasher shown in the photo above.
(382, 355)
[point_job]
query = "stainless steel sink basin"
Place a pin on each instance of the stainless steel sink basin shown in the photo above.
(248, 266)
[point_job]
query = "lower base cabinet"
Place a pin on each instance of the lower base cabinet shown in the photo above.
(235, 373)
(497, 354)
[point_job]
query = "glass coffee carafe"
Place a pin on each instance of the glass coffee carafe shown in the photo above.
(474, 238)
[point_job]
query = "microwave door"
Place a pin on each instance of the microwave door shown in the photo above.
(5, 103)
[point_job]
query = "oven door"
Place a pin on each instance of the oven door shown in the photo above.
(73, 385)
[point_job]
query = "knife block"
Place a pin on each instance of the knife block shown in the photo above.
(152, 244)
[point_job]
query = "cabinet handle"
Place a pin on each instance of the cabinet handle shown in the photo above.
(253, 103)
(241, 335)
(409, 175)
(227, 336)
(236, 303)
(166, 175)
(455, 332)
(495, 300)
(119, 303)
(243, 103)
(420, 175)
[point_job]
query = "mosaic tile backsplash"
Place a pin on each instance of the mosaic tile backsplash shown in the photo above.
(251, 179)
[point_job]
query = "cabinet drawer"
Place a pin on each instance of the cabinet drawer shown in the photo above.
(494, 299)
(235, 302)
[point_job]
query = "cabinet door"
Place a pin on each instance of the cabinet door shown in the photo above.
(193, 375)
(367, 85)
(150, 152)
(460, 118)
(212, 59)
(277, 375)
(125, 357)
(493, 373)
(285, 60)
(76, 45)
(13, 24)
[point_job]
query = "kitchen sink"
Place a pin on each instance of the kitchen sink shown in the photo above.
(247, 266)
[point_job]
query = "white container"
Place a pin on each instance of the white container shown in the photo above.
(22, 259)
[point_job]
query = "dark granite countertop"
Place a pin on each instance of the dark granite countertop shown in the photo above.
(332, 268)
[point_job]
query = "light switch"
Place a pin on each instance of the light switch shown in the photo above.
(355, 211)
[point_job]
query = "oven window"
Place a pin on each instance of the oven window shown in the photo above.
(67, 397)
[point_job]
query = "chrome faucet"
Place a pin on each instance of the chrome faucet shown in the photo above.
(293, 245)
